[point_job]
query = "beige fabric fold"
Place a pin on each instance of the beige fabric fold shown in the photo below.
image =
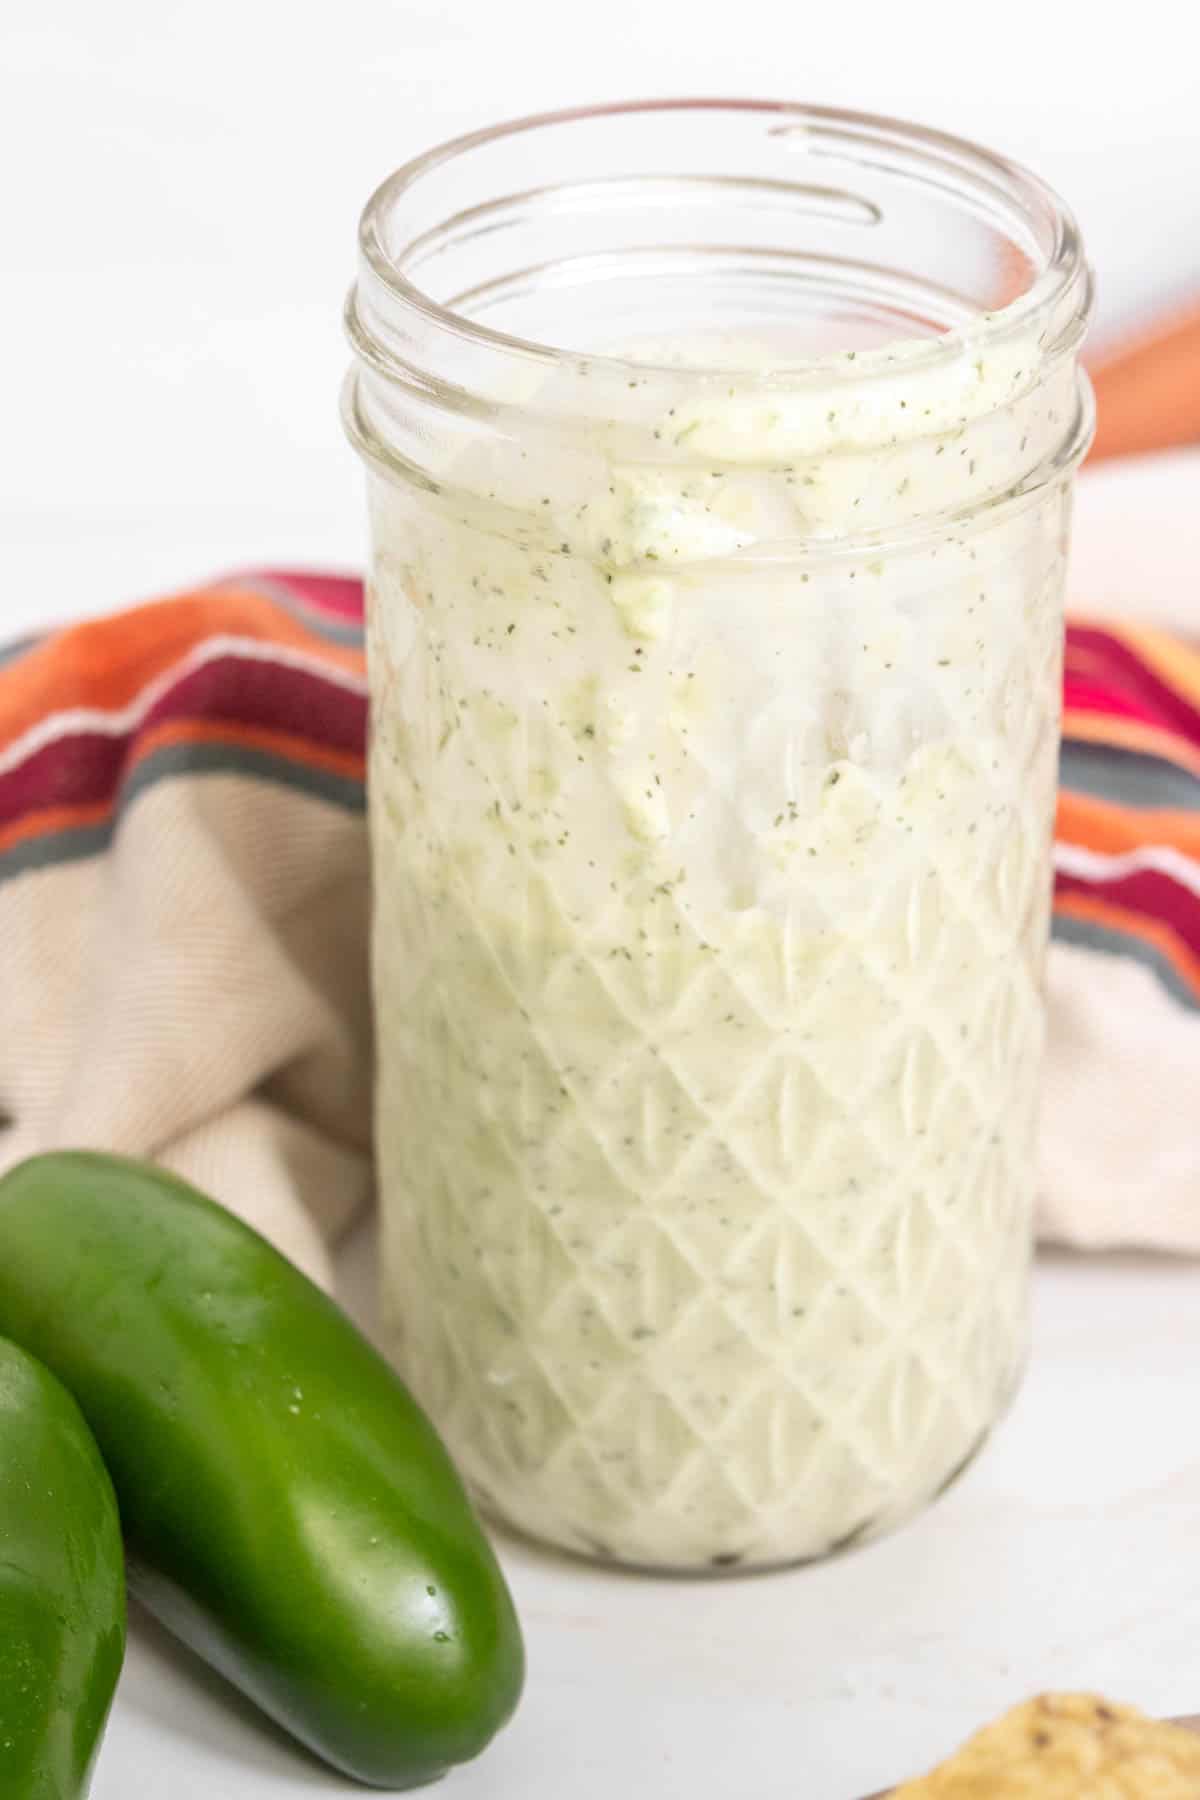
(198, 994)
(1120, 1140)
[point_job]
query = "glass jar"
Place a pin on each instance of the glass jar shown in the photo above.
(720, 461)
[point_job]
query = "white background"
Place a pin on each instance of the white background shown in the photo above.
(181, 184)
(182, 178)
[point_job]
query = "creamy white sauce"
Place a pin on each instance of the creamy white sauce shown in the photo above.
(711, 897)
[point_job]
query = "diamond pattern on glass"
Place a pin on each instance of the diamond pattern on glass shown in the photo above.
(707, 1159)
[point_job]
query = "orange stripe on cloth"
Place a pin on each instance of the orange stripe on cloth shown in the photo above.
(1102, 825)
(51, 821)
(249, 737)
(1130, 734)
(1092, 910)
(1175, 663)
(1148, 388)
(106, 663)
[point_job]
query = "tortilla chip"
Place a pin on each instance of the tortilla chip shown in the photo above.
(1068, 1747)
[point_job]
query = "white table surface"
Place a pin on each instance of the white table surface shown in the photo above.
(181, 189)
(1066, 1557)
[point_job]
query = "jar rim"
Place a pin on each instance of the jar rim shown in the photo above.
(935, 156)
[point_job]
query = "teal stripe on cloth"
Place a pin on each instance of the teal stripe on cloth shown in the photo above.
(1086, 934)
(11, 653)
(1127, 777)
(78, 842)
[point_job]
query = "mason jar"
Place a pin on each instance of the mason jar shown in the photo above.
(719, 464)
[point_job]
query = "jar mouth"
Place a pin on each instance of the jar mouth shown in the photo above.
(396, 303)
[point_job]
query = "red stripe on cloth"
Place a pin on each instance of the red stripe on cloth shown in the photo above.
(1149, 892)
(1090, 696)
(1130, 682)
(339, 594)
(233, 695)
(80, 770)
(259, 691)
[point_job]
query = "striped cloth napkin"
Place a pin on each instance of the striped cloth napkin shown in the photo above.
(183, 891)
(183, 898)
